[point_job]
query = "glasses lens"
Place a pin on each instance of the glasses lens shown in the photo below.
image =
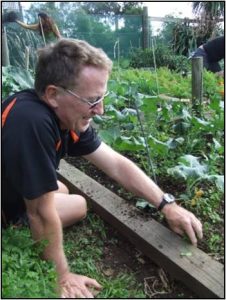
(98, 100)
(94, 103)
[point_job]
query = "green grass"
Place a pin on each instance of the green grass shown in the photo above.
(84, 248)
(25, 275)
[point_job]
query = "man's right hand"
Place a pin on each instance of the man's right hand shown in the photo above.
(78, 286)
(183, 221)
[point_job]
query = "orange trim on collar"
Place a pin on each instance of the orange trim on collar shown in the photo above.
(58, 144)
(74, 136)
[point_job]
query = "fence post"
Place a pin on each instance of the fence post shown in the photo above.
(145, 27)
(27, 54)
(197, 84)
(5, 49)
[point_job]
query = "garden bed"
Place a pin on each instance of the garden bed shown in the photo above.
(121, 261)
(167, 183)
(173, 133)
(183, 261)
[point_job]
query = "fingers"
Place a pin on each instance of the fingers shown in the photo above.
(191, 234)
(178, 230)
(93, 283)
(84, 293)
(78, 286)
(183, 221)
(188, 230)
(74, 292)
(197, 225)
(193, 229)
(67, 292)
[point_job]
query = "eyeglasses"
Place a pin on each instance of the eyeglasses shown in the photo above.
(91, 104)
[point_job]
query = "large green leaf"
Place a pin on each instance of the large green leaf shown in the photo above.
(129, 111)
(189, 167)
(189, 160)
(129, 143)
(113, 112)
(20, 76)
(157, 146)
(109, 135)
(185, 172)
(174, 143)
(98, 119)
(217, 179)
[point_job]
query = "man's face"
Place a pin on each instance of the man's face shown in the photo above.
(75, 114)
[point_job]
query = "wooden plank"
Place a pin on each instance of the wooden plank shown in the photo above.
(196, 270)
(174, 99)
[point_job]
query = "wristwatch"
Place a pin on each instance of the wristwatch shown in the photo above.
(166, 199)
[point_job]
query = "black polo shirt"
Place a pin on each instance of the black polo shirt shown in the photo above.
(215, 49)
(32, 146)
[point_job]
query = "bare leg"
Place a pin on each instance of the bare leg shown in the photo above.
(62, 188)
(71, 208)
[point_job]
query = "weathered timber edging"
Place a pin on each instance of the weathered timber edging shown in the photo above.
(174, 99)
(198, 271)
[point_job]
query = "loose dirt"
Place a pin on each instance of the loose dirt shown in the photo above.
(122, 256)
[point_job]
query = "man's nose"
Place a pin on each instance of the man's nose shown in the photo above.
(98, 109)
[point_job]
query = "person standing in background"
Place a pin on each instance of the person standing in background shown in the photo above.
(46, 26)
(212, 52)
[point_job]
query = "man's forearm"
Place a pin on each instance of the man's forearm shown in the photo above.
(48, 228)
(137, 182)
(125, 172)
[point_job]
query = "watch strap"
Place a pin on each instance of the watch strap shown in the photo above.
(162, 204)
(166, 199)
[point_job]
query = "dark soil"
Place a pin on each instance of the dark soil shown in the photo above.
(122, 256)
(157, 283)
(165, 183)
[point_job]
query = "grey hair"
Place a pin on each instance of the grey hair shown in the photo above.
(60, 63)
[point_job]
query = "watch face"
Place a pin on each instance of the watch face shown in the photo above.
(169, 198)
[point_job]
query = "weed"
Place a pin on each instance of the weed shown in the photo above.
(84, 248)
(24, 275)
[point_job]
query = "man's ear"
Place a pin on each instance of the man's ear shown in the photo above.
(51, 96)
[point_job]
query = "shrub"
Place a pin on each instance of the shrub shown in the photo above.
(15, 79)
(164, 58)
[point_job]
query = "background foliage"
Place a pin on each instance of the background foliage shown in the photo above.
(24, 275)
(117, 28)
(164, 137)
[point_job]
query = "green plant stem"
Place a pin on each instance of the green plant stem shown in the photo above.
(150, 164)
(194, 183)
